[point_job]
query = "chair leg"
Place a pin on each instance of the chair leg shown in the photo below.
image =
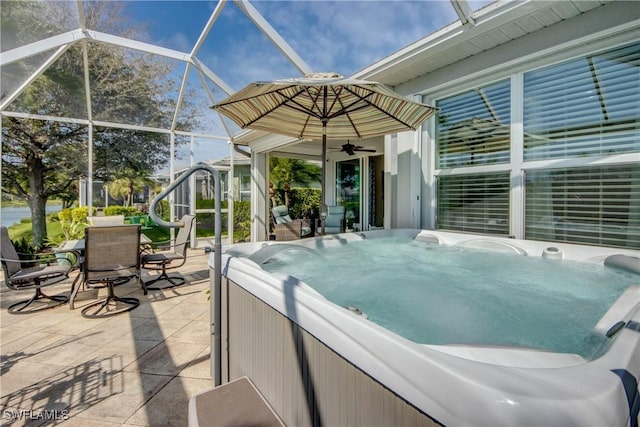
(144, 285)
(174, 281)
(75, 287)
(20, 306)
(93, 311)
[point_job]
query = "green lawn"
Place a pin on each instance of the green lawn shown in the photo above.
(22, 230)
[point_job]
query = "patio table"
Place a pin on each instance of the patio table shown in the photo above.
(78, 245)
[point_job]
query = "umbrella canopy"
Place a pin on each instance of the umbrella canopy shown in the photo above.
(323, 106)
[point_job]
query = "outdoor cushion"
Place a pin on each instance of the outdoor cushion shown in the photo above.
(281, 214)
(283, 219)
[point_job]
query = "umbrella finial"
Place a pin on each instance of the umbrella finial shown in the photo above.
(326, 75)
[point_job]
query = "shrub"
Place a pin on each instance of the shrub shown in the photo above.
(24, 249)
(242, 219)
(121, 210)
(73, 221)
(304, 203)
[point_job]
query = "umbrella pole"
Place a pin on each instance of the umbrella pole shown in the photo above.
(323, 209)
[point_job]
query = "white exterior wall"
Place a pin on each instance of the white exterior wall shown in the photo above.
(606, 27)
(405, 194)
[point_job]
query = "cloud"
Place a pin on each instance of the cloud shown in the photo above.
(346, 36)
(179, 41)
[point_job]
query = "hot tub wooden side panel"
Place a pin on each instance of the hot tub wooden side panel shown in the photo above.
(306, 383)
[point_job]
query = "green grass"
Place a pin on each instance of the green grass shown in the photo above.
(54, 232)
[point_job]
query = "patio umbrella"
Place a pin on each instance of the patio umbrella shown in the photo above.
(323, 106)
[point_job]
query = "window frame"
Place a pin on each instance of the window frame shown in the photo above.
(517, 166)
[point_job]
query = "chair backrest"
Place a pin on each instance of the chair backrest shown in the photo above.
(106, 220)
(8, 253)
(335, 216)
(281, 214)
(182, 239)
(111, 251)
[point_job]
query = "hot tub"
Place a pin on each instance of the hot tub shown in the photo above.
(320, 363)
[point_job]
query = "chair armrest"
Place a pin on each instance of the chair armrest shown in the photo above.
(48, 258)
(164, 244)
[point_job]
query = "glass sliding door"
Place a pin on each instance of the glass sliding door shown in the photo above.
(348, 187)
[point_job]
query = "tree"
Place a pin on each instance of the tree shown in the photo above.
(284, 172)
(125, 187)
(44, 159)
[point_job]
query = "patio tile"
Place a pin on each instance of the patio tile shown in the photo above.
(197, 296)
(128, 351)
(167, 358)
(10, 334)
(137, 368)
(31, 320)
(121, 397)
(69, 352)
(200, 367)
(170, 406)
(79, 421)
(155, 330)
(187, 311)
(69, 323)
(17, 380)
(195, 332)
(204, 317)
(32, 345)
(111, 330)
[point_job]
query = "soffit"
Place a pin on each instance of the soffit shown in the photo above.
(495, 25)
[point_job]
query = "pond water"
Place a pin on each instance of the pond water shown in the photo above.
(12, 215)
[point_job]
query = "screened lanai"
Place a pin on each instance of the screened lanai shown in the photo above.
(107, 75)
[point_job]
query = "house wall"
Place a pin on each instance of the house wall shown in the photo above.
(403, 201)
(603, 28)
(608, 25)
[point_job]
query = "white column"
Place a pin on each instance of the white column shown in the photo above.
(90, 170)
(230, 193)
(516, 226)
(172, 177)
(428, 165)
(259, 196)
(390, 179)
(193, 182)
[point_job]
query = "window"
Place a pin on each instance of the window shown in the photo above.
(474, 203)
(585, 107)
(473, 128)
(594, 205)
(579, 109)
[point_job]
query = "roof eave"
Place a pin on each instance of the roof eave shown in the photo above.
(486, 19)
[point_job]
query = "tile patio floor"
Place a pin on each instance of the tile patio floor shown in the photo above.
(135, 369)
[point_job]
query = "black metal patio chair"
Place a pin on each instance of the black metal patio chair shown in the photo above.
(35, 273)
(173, 257)
(112, 256)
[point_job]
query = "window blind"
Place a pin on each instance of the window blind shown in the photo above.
(473, 128)
(586, 107)
(595, 205)
(474, 203)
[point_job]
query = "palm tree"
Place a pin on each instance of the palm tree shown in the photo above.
(125, 187)
(284, 172)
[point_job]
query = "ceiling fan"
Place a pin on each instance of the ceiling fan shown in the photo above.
(351, 149)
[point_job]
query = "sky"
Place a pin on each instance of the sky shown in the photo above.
(342, 36)
(337, 36)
